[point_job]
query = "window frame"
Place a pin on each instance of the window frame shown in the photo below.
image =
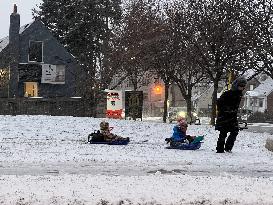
(34, 91)
(42, 60)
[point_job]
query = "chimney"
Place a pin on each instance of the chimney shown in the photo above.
(14, 48)
(15, 9)
(14, 26)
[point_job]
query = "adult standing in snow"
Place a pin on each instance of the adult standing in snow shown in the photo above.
(226, 122)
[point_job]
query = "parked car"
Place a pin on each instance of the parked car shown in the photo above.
(175, 112)
(244, 114)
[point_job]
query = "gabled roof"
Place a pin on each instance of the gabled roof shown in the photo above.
(264, 89)
(5, 41)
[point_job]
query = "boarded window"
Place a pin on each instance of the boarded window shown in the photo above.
(35, 51)
(53, 74)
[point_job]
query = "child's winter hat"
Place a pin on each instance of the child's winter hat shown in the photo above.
(104, 125)
(240, 81)
(182, 122)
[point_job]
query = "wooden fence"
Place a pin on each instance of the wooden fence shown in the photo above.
(52, 106)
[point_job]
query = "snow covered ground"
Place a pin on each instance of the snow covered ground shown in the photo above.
(46, 160)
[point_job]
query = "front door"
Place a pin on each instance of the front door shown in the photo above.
(31, 89)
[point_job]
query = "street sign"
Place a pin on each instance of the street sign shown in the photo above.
(114, 104)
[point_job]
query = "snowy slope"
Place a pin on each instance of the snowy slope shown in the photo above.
(46, 160)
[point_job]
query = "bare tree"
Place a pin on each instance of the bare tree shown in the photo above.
(217, 39)
(159, 52)
(259, 27)
(129, 55)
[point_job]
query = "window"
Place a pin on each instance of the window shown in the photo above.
(251, 87)
(60, 74)
(53, 74)
(31, 89)
(4, 82)
(251, 102)
(257, 102)
(4, 77)
(261, 102)
(35, 53)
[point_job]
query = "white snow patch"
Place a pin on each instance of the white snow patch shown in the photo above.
(46, 160)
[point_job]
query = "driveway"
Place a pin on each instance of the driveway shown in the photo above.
(260, 128)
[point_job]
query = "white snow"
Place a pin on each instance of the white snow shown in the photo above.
(3, 43)
(264, 89)
(46, 160)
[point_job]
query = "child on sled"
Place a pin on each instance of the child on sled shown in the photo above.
(105, 130)
(179, 133)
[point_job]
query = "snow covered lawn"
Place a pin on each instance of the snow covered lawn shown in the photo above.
(46, 160)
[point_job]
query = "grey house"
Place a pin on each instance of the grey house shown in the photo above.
(34, 64)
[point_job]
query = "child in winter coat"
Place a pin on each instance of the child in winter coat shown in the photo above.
(106, 131)
(179, 133)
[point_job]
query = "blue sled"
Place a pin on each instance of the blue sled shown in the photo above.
(116, 142)
(191, 146)
(196, 144)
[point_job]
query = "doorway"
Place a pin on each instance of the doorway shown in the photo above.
(31, 89)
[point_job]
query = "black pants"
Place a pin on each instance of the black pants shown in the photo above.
(226, 145)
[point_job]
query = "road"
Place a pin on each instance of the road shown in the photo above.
(260, 128)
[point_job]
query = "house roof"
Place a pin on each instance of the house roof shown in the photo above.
(264, 89)
(5, 41)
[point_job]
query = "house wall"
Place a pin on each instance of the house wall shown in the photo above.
(253, 82)
(53, 53)
(253, 103)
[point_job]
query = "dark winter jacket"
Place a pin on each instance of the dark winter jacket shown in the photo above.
(227, 107)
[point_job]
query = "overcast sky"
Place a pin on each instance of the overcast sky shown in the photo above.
(24, 9)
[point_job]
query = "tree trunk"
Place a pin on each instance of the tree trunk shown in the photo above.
(189, 108)
(165, 113)
(173, 95)
(213, 104)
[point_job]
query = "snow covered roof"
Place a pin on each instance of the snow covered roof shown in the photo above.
(5, 41)
(264, 89)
